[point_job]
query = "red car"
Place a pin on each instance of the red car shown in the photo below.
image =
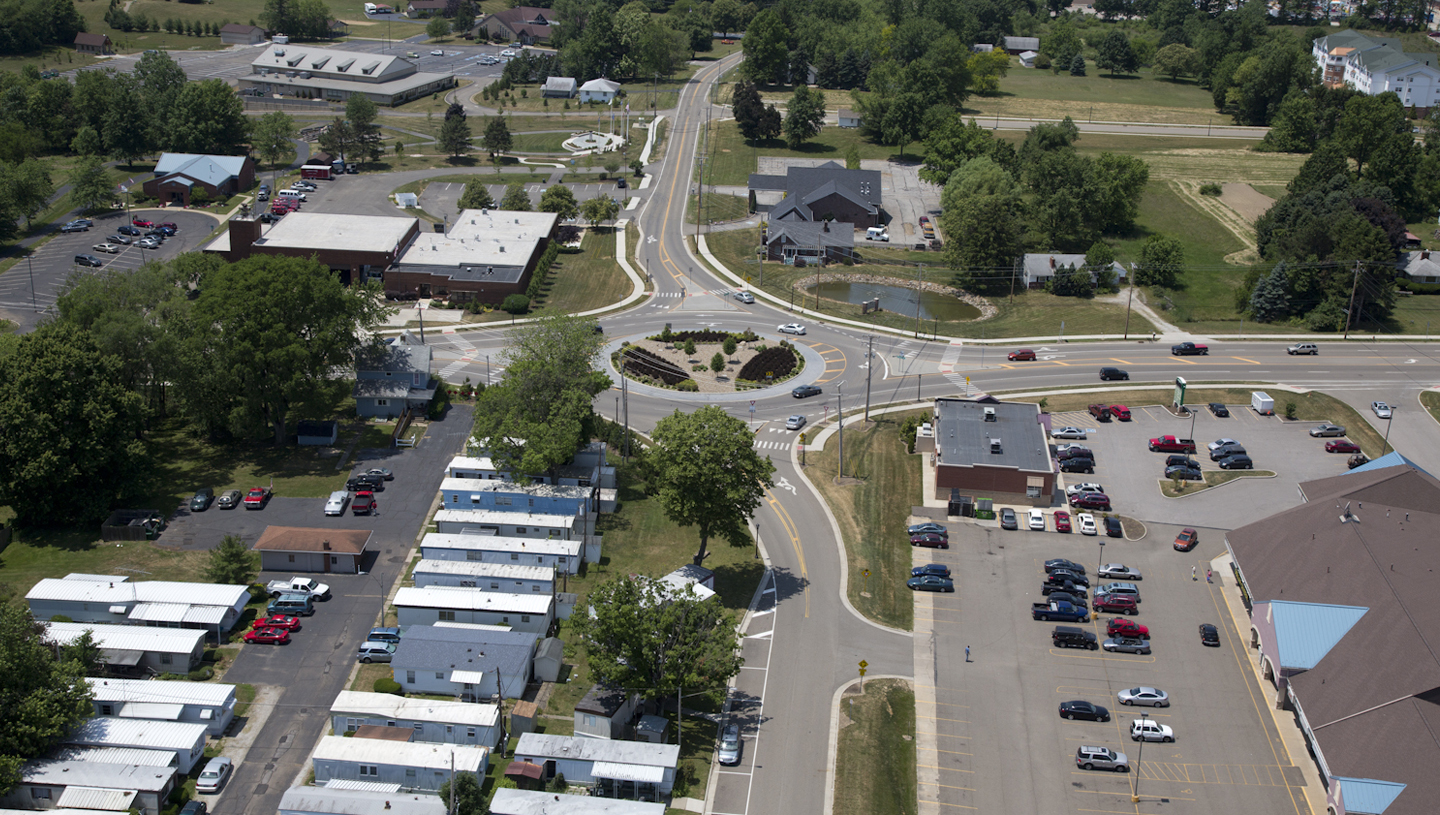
(1062, 521)
(930, 539)
(1116, 604)
(274, 636)
(137, 221)
(284, 621)
(1186, 540)
(1022, 355)
(1121, 627)
(1341, 446)
(1120, 412)
(1090, 500)
(364, 503)
(257, 498)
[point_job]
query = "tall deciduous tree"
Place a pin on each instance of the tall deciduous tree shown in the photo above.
(476, 196)
(232, 563)
(209, 118)
(647, 637)
(708, 473)
(339, 139)
(903, 120)
(1162, 262)
(516, 198)
(90, 186)
(599, 209)
(437, 28)
(43, 698)
(766, 48)
(1115, 54)
(69, 428)
(469, 798)
(360, 112)
(1176, 60)
(273, 136)
(558, 199)
(804, 117)
(30, 188)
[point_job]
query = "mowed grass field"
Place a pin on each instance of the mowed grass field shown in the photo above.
(1097, 97)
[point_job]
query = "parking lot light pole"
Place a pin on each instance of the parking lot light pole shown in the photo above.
(1101, 562)
(1135, 793)
(31, 267)
(1388, 420)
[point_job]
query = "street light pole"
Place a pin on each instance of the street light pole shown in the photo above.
(35, 307)
(1135, 793)
(1388, 420)
(840, 420)
(1101, 562)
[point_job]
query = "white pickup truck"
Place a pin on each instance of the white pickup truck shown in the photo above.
(298, 585)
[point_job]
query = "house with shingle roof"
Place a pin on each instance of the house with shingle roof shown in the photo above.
(179, 175)
(87, 43)
(301, 549)
(393, 376)
(526, 25)
(829, 192)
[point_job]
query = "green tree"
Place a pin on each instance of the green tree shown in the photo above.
(658, 641)
(515, 199)
(727, 15)
(209, 118)
(708, 474)
(123, 128)
(1176, 60)
(1115, 54)
(464, 19)
(437, 28)
(987, 69)
(558, 199)
(497, 139)
(469, 798)
(1162, 262)
(274, 136)
(1114, 185)
(749, 110)
(599, 209)
(90, 187)
(1269, 300)
(717, 362)
(30, 188)
(69, 428)
(1099, 256)
(950, 145)
(1293, 129)
(981, 218)
(87, 141)
(1062, 45)
(515, 304)
(455, 134)
(232, 563)
(44, 699)
(361, 113)
(804, 117)
(339, 139)
(476, 196)
(902, 120)
(540, 412)
(766, 48)
(1077, 65)
(729, 346)
(161, 82)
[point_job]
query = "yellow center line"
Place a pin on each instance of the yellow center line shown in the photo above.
(789, 525)
(1243, 359)
(1121, 361)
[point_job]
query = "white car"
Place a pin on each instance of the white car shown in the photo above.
(1218, 443)
(212, 778)
(1086, 486)
(507, 53)
(1381, 409)
(792, 328)
(745, 297)
(337, 503)
(1037, 520)
(1150, 731)
(1067, 433)
(1087, 523)
(795, 422)
(437, 53)
(1119, 570)
(1154, 697)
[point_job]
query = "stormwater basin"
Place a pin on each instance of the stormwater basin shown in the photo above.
(898, 299)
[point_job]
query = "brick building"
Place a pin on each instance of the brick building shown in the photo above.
(990, 449)
(179, 175)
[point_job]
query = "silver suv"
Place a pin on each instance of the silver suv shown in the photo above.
(1101, 758)
(1121, 590)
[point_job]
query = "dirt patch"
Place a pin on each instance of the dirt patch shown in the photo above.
(1229, 218)
(1245, 200)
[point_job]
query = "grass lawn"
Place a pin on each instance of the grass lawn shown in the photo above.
(40, 553)
(587, 279)
(1213, 478)
(871, 505)
(54, 57)
(732, 159)
(366, 675)
(1030, 313)
(875, 754)
(1431, 401)
(540, 143)
(719, 207)
(1097, 97)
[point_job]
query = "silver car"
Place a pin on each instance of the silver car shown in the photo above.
(337, 502)
(792, 328)
(212, 778)
(729, 753)
(1118, 570)
(745, 297)
(1153, 697)
(1381, 409)
(1322, 430)
(376, 652)
(1127, 645)
(1088, 757)
(795, 422)
(1067, 433)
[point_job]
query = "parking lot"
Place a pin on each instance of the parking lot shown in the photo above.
(999, 744)
(1131, 473)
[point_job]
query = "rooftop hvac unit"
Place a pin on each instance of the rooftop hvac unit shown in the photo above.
(304, 74)
(502, 248)
(989, 414)
(279, 52)
(995, 446)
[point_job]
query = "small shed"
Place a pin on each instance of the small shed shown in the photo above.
(849, 118)
(97, 44)
(317, 434)
(301, 549)
(548, 659)
(559, 87)
(241, 34)
(132, 525)
(1027, 59)
(651, 729)
(604, 712)
(522, 717)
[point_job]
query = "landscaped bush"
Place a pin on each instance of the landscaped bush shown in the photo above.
(679, 337)
(387, 685)
(639, 362)
(201, 674)
(779, 361)
(687, 385)
(1209, 189)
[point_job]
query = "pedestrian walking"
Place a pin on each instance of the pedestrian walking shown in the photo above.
(967, 653)
(1192, 573)
(1208, 573)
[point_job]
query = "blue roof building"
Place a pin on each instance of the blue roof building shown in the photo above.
(179, 175)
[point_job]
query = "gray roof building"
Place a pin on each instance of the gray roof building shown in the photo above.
(827, 192)
(1419, 266)
(435, 654)
(559, 86)
(991, 449)
(511, 801)
(299, 70)
(1039, 268)
(1015, 45)
(332, 801)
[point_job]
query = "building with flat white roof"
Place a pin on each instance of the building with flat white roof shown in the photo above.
(428, 720)
(312, 72)
(511, 801)
(59, 783)
(361, 245)
(507, 496)
(137, 649)
(212, 705)
(522, 612)
(185, 740)
(485, 255)
(510, 577)
(616, 766)
(333, 801)
(413, 765)
(564, 556)
(117, 600)
(507, 524)
(115, 755)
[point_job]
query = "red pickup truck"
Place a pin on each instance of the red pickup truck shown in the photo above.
(1170, 444)
(1188, 349)
(257, 498)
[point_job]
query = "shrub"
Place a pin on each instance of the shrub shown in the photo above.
(201, 674)
(439, 404)
(1290, 410)
(690, 347)
(1042, 62)
(688, 385)
(1209, 189)
(730, 346)
(717, 362)
(779, 361)
(516, 304)
(387, 685)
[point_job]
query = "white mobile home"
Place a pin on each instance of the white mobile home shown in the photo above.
(564, 556)
(508, 524)
(507, 496)
(511, 801)
(194, 702)
(428, 720)
(186, 741)
(412, 765)
(468, 664)
(522, 612)
(618, 768)
(116, 600)
(333, 801)
(509, 577)
(605, 713)
(137, 649)
(47, 782)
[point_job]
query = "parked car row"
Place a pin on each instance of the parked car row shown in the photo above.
(379, 645)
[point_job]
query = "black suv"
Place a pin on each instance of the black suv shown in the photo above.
(1182, 461)
(1226, 450)
(1113, 527)
(1065, 587)
(1107, 374)
(1077, 465)
(1236, 461)
(1068, 636)
(373, 483)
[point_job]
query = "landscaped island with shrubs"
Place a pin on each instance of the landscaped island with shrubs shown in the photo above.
(708, 361)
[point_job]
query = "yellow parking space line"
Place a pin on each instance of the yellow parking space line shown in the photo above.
(945, 786)
(1121, 361)
(960, 806)
(947, 752)
(941, 719)
(945, 769)
(946, 735)
(1126, 793)
(952, 704)
(1060, 652)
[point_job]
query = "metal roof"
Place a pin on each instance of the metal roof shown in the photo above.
(116, 755)
(467, 758)
(586, 749)
(105, 731)
(432, 648)
(109, 800)
(495, 485)
(145, 591)
(157, 711)
(131, 637)
(416, 710)
(469, 599)
(362, 786)
(475, 568)
(1368, 796)
(628, 772)
(1391, 459)
(51, 772)
(178, 613)
(345, 800)
(109, 689)
(497, 543)
(493, 518)
(1305, 632)
(511, 801)
(212, 170)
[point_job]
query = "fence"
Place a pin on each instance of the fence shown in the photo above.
(272, 103)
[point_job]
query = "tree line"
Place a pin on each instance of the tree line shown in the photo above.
(29, 25)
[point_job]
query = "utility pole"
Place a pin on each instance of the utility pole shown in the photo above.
(869, 364)
(625, 398)
(35, 307)
(1350, 309)
(919, 269)
(840, 420)
(1127, 309)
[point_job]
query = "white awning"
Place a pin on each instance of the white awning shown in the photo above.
(118, 609)
(363, 786)
(628, 772)
(158, 711)
(474, 496)
(467, 677)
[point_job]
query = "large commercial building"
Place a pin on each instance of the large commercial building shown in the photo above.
(313, 72)
(990, 449)
(1375, 65)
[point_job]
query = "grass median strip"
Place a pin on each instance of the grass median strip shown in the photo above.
(875, 755)
(1213, 478)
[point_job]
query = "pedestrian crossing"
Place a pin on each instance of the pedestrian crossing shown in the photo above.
(717, 292)
(773, 445)
(454, 368)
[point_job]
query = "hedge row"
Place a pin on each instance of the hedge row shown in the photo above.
(639, 362)
(778, 361)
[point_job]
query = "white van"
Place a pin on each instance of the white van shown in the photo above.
(292, 194)
(877, 233)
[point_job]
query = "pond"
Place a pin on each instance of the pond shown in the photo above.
(898, 299)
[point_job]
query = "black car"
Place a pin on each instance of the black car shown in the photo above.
(1107, 374)
(127, 229)
(1182, 461)
(202, 499)
(1060, 575)
(1062, 563)
(937, 569)
(168, 230)
(1066, 597)
(1238, 461)
(1219, 410)
(1184, 474)
(1074, 452)
(621, 183)
(1226, 450)
(194, 806)
(1067, 587)
(75, 227)
(1069, 636)
(1080, 709)
(88, 260)
(1113, 528)
(371, 483)
(805, 390)
(1209, 635)
(1077, 465)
